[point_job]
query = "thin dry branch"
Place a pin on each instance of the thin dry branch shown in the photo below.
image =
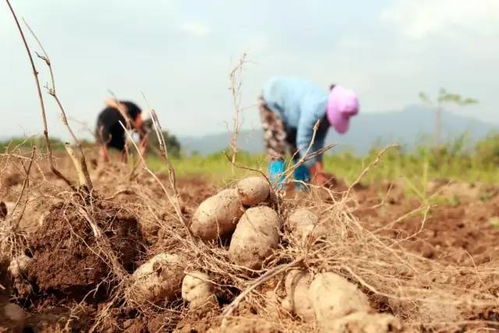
(81, 164)
(306, 156)
(40, 98)
(372, 164)
(79, 171)
(173, 200)
(23, 189)
(262, 279)
(235, 89)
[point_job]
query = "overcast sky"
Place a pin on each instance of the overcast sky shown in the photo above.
(180, 53)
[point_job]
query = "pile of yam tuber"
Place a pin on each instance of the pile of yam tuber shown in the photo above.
(247, 218)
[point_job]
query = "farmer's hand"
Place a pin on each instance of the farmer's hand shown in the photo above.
(112, 103)
(138, 125)
(319, 176)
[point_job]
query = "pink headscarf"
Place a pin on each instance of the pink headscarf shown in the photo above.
(341, 105)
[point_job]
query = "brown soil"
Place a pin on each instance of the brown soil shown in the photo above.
(70, 261)
(71, 280)
(458, 232)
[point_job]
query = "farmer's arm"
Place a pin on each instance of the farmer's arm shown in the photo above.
(305, 134)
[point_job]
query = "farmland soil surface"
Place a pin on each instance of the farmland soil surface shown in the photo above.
(83, 248)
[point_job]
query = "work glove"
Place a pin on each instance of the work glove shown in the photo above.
(319, 176)
(276, 173)
(302, 175)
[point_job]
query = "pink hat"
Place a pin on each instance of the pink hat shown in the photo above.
(341, 105)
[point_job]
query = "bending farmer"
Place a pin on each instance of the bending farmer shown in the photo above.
(289, 110)
(110, 132)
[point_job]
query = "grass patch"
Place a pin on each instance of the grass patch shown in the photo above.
(455, 161)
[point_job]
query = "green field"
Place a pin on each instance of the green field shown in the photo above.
(454, 161)
(457, 160)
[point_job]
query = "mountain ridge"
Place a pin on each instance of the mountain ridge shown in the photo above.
(410, 127)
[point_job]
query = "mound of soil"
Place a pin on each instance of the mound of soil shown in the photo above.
(69, 260)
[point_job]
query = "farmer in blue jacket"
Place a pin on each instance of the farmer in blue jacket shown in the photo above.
(289, 110)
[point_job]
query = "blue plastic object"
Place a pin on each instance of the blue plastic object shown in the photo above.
(302, 177)
(302, 174)
(276, 172)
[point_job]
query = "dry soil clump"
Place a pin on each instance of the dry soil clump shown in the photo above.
(79, 247)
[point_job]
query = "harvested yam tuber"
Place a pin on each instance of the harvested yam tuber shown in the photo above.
(197, 290)
(333, 297)
(13, 312)
(255, 237)
(297, 283)
(253, 190)
(19, 265)
(362, 322)
(157, 280)
(304, 224)
(217, 216)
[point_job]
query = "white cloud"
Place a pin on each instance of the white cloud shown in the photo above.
(196, 29)
(422, 18)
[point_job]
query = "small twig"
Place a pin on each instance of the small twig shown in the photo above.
(366, 169)
(243, 167)
(235, 89)
(120, 192)
(265, 277)
(81, 165)
(25, 185)
(77, 165)
(306, 156)
(174, 202)
(164, 150)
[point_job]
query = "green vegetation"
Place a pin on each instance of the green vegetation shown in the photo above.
(23, 144)
(454, 161)
(458, 160)
(171, 141)
(444, 97)
(26, 143)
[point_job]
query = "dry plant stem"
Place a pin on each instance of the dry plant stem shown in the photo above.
(306, 156)
(235, 88)
(77, 165)
(366, 169)
(265, 277)
(164, 150)
(175, 202)
(81, 165)
(400, 219)
(239, 166)
(25, 185)
(82, 170)
(40, 98)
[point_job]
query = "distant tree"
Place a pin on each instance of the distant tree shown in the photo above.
(444, 97)
(172, 143)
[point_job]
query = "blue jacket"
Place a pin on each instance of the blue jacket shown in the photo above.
(300, 104)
